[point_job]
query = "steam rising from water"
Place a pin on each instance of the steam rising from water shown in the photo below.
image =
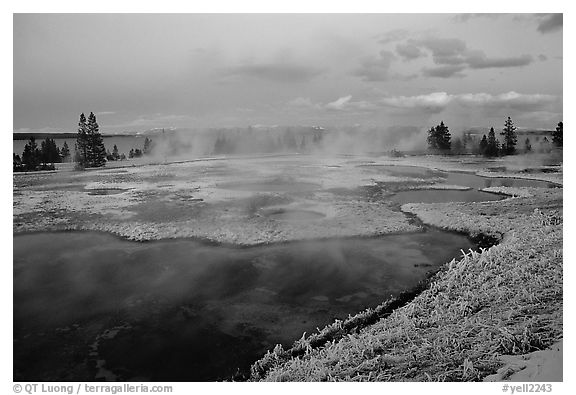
(185, 144)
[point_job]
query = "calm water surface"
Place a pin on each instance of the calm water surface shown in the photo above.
(92, 306)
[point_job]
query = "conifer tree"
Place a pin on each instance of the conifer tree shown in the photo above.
(527, 145)
(431, 139)
(96, 152)
(16, 162)
(81, 155)
(439, 138)
(493, 146)
(483, 145)
(45, 151)
(49, 151)
(31, 155)
(115, 154)
(510, 137)
(557, 135)
(65, 152)
(147, 146)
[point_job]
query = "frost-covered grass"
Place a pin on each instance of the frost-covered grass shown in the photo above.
(506, 300)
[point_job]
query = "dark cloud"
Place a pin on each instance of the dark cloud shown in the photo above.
(452, 56)
(409, 51)
(479, 60)
(277, 72)
(549, 23)
(444, 71)
(376, 68)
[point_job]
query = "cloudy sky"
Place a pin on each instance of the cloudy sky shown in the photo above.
(215, 70)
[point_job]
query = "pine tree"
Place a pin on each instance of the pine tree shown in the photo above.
(439, 138)
(81, 155)
(527, 145)
(45, 151)
(31, 156)
(483, 145)
(49, 152)
(65, 152)
(546, 145)
(96, 152)
(115, 154)
(55, 152)
(16, 162)
(432, 140)
(147, 146)
(493, 146)
(557, 135)
(444, 136)
(510, 137)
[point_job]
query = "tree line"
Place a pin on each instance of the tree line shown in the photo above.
(43, 158)
(89, 150)
(440, 141)
(289, 141)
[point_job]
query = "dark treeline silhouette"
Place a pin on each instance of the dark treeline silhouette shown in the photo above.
(289, 140)
(439, 141)
(89, 150)
(115, 155)
(43, 158)
(138, 153)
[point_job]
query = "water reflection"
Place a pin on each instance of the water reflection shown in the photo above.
(185, 310)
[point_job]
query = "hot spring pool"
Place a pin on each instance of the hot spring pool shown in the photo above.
(92, 306)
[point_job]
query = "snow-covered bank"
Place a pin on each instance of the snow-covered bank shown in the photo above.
(506, 300)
